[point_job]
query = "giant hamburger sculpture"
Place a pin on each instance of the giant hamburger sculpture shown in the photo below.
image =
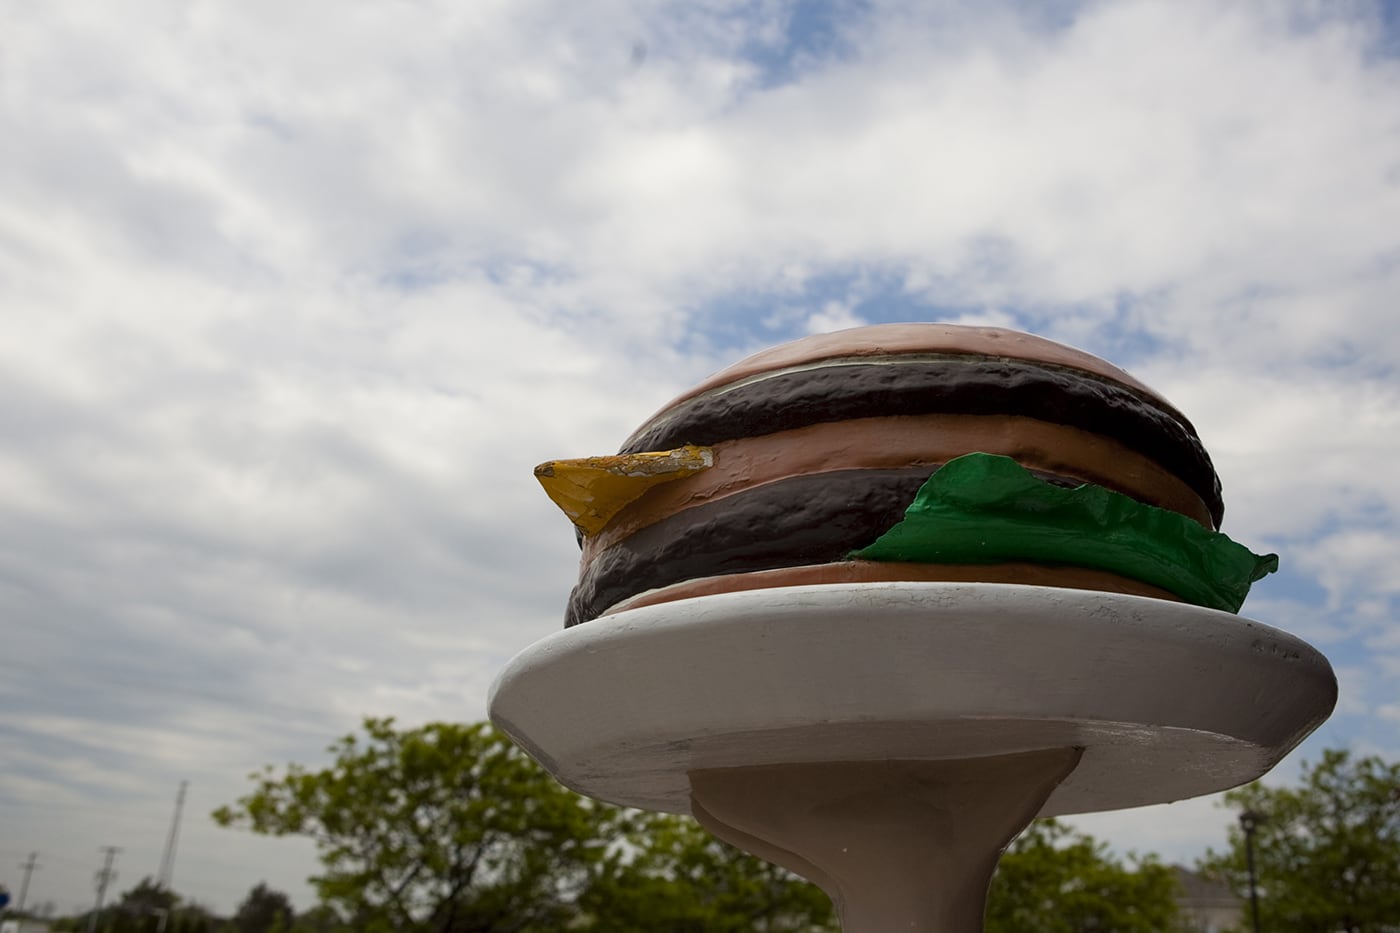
(868, 602)
(905, 452)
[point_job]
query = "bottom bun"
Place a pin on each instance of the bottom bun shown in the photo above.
(865, 571)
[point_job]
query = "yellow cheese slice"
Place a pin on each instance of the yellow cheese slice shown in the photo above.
(592, 490)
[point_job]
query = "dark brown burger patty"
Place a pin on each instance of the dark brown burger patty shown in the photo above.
(917, 384)
(810, 519)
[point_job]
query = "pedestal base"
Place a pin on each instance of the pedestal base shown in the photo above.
(898, 845)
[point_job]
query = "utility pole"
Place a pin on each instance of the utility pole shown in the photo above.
(28, 867)
(167, 861)
(104, 877)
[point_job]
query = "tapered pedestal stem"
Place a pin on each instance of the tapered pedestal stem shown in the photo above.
(898, 845)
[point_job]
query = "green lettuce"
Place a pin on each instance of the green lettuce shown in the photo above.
(987, 509)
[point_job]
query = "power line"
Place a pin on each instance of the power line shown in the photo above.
(104, 877)
(28, 866)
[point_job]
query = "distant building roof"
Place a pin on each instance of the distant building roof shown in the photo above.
(1199, 891)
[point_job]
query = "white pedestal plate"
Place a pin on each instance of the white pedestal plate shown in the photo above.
(888, 740)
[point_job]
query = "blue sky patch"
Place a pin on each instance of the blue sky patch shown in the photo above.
(816, 32)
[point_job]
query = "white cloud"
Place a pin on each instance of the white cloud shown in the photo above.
(1178, 833)
(833, 316)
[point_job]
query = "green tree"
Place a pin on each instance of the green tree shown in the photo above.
(673, 875)
(140, 909)
(1055, 880)
(441, 828)
(1327, 853)
(319, 919)
(263, 910)
(188, 918)
(191, 918)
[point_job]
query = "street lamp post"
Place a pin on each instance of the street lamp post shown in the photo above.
(1249, 822)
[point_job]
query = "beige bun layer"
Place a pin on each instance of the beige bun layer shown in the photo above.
(902, 441)
(890, 339)
(860, 571)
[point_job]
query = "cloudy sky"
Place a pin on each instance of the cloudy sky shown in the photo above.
(294, 296)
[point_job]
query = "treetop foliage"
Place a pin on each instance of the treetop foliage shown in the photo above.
(1326, 853)
(444, 827)
(263, 911)
(1055, 880)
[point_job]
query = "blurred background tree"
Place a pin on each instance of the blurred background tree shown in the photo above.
(680, 878)
(444, 827)
(1326, 853)
(1055, 880)
(264, 911)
